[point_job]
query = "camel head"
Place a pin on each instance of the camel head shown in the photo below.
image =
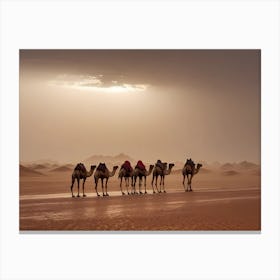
(151, 167)
(199, 165)
(115, 167)
(171, 165)
(92, 167)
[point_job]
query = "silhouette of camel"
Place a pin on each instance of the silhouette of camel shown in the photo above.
(80, 172)
(126, 172)
(102, 172)
(161, 170)
(189, 170)
(141, 172)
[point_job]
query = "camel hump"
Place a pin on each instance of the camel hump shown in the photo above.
(80, 166)
(101, 167)
(127, 166)
(190, 162)
(140, 165)
(160, 164)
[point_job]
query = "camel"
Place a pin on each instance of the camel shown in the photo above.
(80, 172)
(161, 170)
(126, 172)
(102, 172)
(137, 172)
(189, 170)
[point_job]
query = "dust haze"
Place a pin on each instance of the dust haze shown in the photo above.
(149, 104)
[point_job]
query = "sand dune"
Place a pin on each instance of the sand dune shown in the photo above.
(247, 165)
(227, 166)
(38, 166)
(241, 166)
(64, 168)
(109, 160)
(230, 173)
(221, 200)
(26, 171)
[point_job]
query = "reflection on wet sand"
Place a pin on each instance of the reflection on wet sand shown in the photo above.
(203, 210)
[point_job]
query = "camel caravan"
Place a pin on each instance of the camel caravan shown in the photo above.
(130, 176)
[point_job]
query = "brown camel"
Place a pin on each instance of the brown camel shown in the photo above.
(141, 173)
(189, 170)
(161, 170)
(126, 172)
(80, 172)
(102, 172)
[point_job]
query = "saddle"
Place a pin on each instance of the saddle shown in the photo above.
(126, 166)
(80, 167)
(101, 167)
(190, 163)
(161, 165)
(140, 165)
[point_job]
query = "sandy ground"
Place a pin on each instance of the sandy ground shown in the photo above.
(218, 202)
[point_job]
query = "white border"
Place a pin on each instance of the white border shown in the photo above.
(155, 24)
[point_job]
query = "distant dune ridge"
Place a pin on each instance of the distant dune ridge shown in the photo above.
(108, 159)
(227, 166)
(26, 171)
(230, 173)
(243, 165)
(39, 166)
(42, 167)
(63, 168)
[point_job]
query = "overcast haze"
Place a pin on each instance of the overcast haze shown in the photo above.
(147, 104)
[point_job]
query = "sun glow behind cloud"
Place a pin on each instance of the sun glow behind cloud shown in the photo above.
(96, 84)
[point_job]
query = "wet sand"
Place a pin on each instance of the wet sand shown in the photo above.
(217, 203)
(198, 210)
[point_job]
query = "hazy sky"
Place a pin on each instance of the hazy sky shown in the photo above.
(149, 104)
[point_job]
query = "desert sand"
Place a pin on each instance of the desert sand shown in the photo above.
(227, 197)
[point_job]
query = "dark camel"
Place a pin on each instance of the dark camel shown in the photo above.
(80, 172)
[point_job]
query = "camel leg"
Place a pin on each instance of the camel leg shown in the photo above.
(140, 184)
(145, 184)
(127, 184)
(153, 183)
(121, 186)
(73, 181)
(78, 179)
(84, 187)
(156, 183)
(160, 183)
(96, 183)
(102, 184)
(131, 185)
(184, 177)
(187, 183)
(106, 182)
(163, 184)
(191, 183)
(135, 181)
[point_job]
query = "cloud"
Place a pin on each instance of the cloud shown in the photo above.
(95, 83)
